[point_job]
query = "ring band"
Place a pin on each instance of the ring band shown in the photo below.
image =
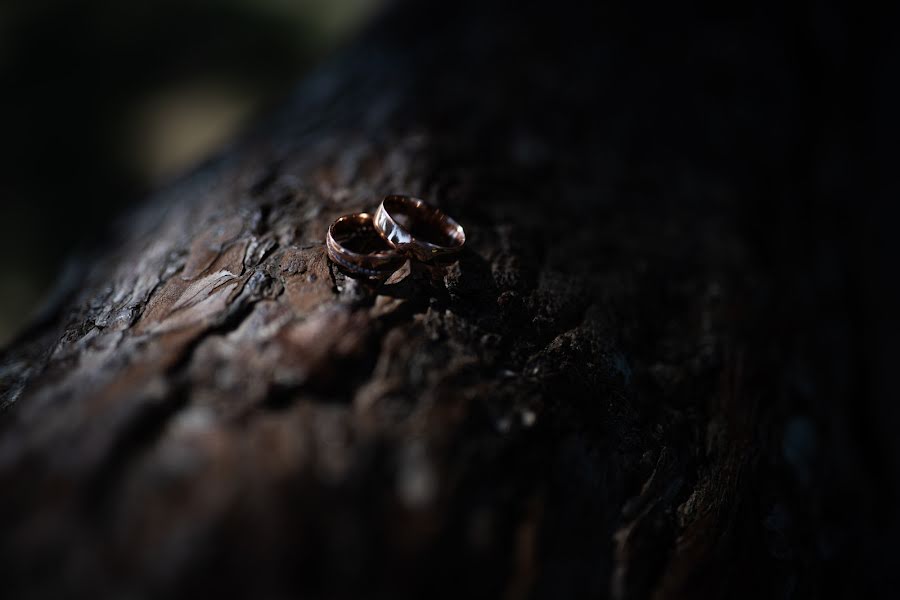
(416, 228)
(353, 244)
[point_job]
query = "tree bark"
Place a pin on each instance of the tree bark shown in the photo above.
(604, 396)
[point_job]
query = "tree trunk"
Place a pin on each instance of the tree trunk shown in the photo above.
(607, 395)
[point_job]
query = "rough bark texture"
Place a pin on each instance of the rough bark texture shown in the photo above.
(609, 394)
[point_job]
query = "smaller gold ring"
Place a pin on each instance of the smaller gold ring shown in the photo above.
(415, 228)
(354, 245)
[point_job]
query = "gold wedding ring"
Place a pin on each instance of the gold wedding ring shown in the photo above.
(355, 246)
(417, 229)
(403, 226)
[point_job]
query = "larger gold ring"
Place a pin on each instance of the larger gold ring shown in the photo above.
(417, 229)
(354, 245)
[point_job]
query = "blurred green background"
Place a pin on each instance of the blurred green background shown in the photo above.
(101, 101)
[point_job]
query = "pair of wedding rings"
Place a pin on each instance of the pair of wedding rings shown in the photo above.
(403, 227)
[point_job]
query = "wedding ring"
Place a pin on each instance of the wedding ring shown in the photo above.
(354, 245)
(417, 229)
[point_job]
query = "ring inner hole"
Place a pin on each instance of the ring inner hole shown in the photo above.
(361, 239)
(424, 224)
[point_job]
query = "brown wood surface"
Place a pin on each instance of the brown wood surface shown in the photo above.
(605, 396)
